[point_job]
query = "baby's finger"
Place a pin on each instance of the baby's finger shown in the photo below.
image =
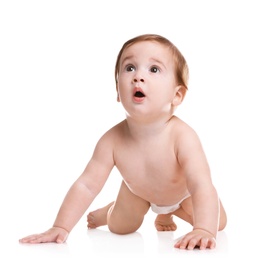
(187, 243)
(203, 243)
(28, 239)
(207, 243)
(182, 243)
(61, 239)
(45, 238)
(212, 243)
(192, 243)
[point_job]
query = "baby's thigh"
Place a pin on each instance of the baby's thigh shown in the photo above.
(185, 211)
(223, 217)
(128, 212)
(187, 206)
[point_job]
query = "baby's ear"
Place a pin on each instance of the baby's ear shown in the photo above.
(118, 96)
(180, 92)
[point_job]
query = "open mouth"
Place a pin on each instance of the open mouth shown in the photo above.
(139, 94)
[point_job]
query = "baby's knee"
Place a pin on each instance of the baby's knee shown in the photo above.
(222, 222)
(222, 218)
(121, 225)
(122, 229)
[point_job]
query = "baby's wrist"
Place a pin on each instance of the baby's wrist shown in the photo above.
(62, 228)
(205, 230)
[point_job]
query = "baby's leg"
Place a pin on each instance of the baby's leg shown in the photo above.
(164, 222)
(222, 217)
(98, 217)
(123, 216)
(127, 213)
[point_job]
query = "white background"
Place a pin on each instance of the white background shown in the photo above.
(57, 97)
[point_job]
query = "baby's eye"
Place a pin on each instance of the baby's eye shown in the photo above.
(130, 68)
(154, 69)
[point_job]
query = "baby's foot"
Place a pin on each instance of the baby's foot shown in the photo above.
(98, 217)
(165, 223)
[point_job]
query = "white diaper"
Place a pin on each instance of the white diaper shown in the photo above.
(167, 209)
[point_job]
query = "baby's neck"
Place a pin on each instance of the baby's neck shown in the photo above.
(144, 130)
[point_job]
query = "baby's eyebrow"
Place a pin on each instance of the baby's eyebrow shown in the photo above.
(157, 61)
(127, 58)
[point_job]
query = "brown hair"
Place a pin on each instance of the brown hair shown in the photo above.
(182, 71)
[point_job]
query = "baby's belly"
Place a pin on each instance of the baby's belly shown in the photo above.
(159, 194)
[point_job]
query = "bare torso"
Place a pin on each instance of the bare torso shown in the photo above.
(150, 167)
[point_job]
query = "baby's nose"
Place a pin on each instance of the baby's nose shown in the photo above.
(137, 79)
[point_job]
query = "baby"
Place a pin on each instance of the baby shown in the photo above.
(160, 157)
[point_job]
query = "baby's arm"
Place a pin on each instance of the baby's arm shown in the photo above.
(80, 195)
(204, 197)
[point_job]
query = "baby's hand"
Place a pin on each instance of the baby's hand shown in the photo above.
(54, 234)
(197, 238)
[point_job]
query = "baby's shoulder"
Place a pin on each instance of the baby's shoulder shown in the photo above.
(182, 131)
(114, 132)
(181, 126)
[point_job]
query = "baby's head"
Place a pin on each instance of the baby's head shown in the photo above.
(181, 67)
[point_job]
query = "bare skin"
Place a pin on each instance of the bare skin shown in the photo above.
(159, 157)
(163, 222)
(98, 218)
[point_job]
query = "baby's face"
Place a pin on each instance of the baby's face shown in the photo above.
(146, 79)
